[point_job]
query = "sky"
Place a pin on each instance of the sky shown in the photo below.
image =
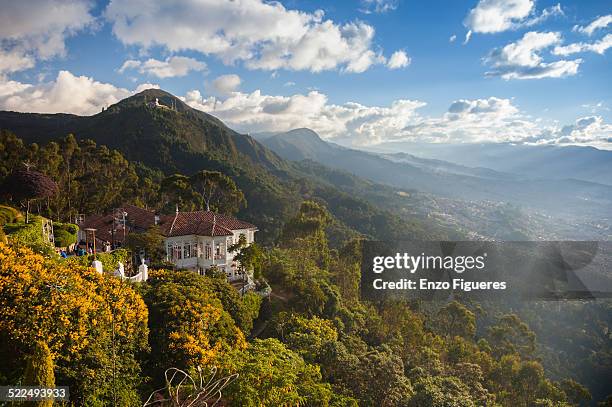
(360, 72)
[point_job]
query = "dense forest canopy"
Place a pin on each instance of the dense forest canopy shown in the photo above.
(314, 342)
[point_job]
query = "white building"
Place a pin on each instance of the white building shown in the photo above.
(193, 240)
(200, 240)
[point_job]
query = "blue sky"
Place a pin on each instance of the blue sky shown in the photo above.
(360, 72)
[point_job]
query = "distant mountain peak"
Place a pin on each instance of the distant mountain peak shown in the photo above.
(303, 131)
(302, 134)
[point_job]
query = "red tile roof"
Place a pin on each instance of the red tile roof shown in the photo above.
(139, 217)
(104, 227)
(202, 223)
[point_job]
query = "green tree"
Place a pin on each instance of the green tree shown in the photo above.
(455, 319)
(511, 335)
(311, 220)
(306, 336)
(244, 309)
(39, 370)
(217, 191)
(65, 234)
(250, 257)
(188, 323)
(13, 153)
(151, 241)
(28, 185)
(375, 378)
(441, 391)
(272, 375)
(177, 192)
(576, 393)
(95, 326)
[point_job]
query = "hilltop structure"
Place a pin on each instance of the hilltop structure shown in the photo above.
(157, 105)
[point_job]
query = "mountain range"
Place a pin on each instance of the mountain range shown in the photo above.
(544, 161)
(568, 197)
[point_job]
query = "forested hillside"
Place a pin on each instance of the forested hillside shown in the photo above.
(314, 342)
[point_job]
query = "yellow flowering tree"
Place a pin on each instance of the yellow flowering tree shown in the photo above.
(189, 325)
(93, 325)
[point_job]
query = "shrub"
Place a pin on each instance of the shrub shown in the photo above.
(9, 215)
(65, 234)
(29, 235)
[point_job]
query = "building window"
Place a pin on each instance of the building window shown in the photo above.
(220, 251)
(208, 254)
(187, 250)
(169, 252)
(177, 252)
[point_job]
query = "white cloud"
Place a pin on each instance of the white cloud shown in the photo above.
(378, 6)
(169, 68)
(468, 36)
(452, 38)
(473, 120)
(586, 130)
(522, 59)
(467, 120)
(129, 64)
(494, 16)
(226, 84)
(14, 61)
(491, 119)
(66, 94)
(399, 59)
(589, 130)
(255, 112)
(596, 107)
(597, 24)
(547, 13)
(145, 86)
(599, 47)
(37, 29)
(262, 35)
(497, 106)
